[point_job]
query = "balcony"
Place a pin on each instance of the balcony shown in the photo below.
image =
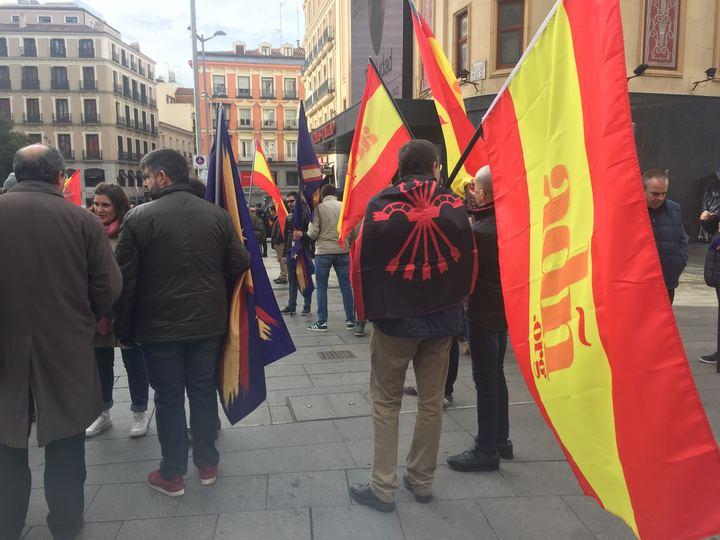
(270, 156)
(313, 54)
(291, 124)
(85, 52)
(93, 118)
(92, 155)
(153, 103)
(141, 70)
(57, 53)
(115, 57)
(5, 84)
(117, 89)
(59, 84)
(269, 124)
(136, 125)
(326, 88)
(89, 85)
(310, 101)
(67, 154)
(136, 96)
(290, 94)
(153, 131)
(128, 156)
(243, 93)
(28, 52)
(124, 61)
(63, 118)
(219, 90)
(143, 99)
(32, 118)
(267, 94)
(245, 124)
(145, 128)
(31, 84)
(127, 93)
(120, 121)
(133, 65)
(150, 75)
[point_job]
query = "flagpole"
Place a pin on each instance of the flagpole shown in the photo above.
(465, 154)
(252, 174)
(407, 126)
(218, 154)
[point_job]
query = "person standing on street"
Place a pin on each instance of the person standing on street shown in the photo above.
(64, 280)
(259, 228)
(178, 254)
(292, 278)
(323, 229)
(277, 242)
(487, 335)
(110, 205)
(666, 219)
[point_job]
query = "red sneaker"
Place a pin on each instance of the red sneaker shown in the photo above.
(208, 474)
(171, 488)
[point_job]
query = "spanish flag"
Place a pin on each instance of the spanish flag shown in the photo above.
(72, 190)
(262, 178)
(379, 134)
(456, 126)
(587, 308)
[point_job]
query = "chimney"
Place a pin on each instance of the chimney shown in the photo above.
(239, 47)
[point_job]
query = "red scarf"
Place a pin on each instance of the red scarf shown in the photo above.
(112, 229)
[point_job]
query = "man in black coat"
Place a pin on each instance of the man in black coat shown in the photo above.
(178, 254)
(670, 237)
(290, 231)
(487, 336)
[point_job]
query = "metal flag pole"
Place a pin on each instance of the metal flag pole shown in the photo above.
(196, 78)
(465, 154)
(218, 154)
(377, 72)
(252, 174)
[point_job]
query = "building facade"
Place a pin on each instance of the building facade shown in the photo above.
(67, 79)
(176, 112)
(260, 91)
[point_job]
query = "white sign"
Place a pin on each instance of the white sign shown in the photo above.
(477, 71)
(200, 162)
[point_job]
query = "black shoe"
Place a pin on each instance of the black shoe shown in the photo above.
(506, 449)
(447, 401)
(287, 311)
(709, 358)
(305, 312)
(362, 494)
(473, 459)
(419, 498)
(280, 280)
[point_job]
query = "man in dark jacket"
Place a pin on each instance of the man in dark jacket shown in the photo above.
(487, 336)
(63, 279)
(292, 278)
(425, 340)
(670, 237)
(177, 255)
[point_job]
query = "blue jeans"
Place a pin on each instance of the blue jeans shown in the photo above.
(341, 263)
(136, 371)
(487, 351)
(175, 368)
(293, 290)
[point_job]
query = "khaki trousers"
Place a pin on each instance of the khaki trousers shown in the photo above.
(390, 357)
(280, 253)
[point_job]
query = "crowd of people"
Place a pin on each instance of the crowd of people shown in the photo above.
(153, 281)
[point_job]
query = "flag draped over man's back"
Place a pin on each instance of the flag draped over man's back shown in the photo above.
(449, 102)
(257, 334)
(262, 178)
(585, 299)
(379, 134)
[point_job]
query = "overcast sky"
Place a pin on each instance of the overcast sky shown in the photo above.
(160, 26)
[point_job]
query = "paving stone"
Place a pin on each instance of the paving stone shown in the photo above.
(444, 519)
(521, 518)
(359, 429)
(121, 450)
(288, 383)
(259, 417)
(337, 379)
(356, 522)
(540, 478)
(602, 524)
(362, 366)
(177, 528)
(280, 414)
(315, 407)
(121, 473)
(280, 397)
(91, 531)
(120, 502)
(273, 524)
(319, 457)
(451, 484)
(286, 435)
(279, 370)
(535, 443)
(229, 494)
(38, 510)
(309, 489)
(349, 404)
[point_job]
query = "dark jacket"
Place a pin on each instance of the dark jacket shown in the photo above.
(485, 305)
(444, 323)
(671, 241)
(259, 227)
(712, 262)
(307, 243)
(177, 255)
(60, 278)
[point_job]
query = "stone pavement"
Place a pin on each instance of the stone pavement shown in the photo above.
(285, 470)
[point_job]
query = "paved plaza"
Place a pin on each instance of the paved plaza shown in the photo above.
(285, 470)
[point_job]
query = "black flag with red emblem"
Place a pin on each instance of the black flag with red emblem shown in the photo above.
(415, 252)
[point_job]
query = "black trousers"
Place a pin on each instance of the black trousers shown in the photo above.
(64, 482)
(452, 367)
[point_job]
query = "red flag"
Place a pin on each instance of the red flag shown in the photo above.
(72, 190)
(262, 178)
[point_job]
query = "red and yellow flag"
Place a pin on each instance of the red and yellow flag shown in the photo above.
(586, 303)
(72, 190)
(379, 134)
(456, 126)
(262, 178)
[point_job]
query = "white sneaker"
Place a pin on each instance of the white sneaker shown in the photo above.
(140, 423)
(100, 424)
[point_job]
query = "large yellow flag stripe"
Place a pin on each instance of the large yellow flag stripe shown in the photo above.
(577, 395)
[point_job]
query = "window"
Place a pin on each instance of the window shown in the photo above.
(3, 46)
(267, 88)
(152, 146)
(291, 178)
(28, 48)
(64, 144)
(290, 88)
(128, 119)
(71, 19)
(4, 77)
(244, 118)
(32, 108)
(661, 34)
(57, 48)
(44, 19)
(5, 112)
(269, 149)
(136, 118)
(35, 138)
(92, 146)
(219, 88)
(62, 111)
(290, 149)
(265, 51)
(145, 148)
(510, 16)
(59, 78)
(268, 116)
(90, 113)
(128, 148)
(86, 48)
(30, 79)
(243, 87)
(137, 149)
(15, 18)
(245, 149)
(88, 74)
(461, 41)
(291, 118)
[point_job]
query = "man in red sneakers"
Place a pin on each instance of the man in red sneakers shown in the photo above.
(177, 255)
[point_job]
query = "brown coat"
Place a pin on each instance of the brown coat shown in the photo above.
(58, 277)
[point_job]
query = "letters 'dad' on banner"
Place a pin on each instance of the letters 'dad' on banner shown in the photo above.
(589, 316)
